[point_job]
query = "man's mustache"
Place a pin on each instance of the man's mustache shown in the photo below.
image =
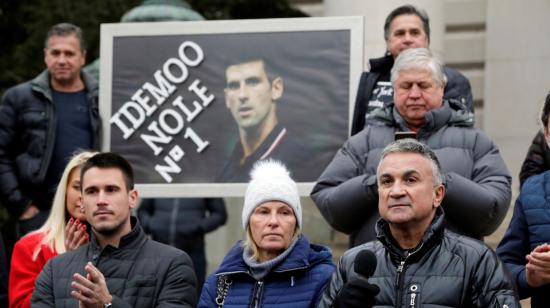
(399, 201)
(103, 211)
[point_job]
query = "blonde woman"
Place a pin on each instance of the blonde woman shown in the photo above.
(275, 266)
(64, 230)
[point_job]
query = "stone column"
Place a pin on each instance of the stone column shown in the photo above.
(517, 75)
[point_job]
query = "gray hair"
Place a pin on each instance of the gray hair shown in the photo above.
(66, 29)
(413, 146)
(407, 10)
(419, 58)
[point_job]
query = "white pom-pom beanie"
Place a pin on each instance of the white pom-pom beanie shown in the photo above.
(270, 181)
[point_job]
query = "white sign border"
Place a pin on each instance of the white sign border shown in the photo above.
(109, 31)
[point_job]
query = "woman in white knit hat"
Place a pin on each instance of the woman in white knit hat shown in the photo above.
(275, 266)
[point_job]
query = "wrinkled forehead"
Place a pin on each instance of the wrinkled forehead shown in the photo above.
(416, 74)
(398, 164)
(406, 21)
(69, 40)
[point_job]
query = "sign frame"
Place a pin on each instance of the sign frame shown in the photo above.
(110, 32)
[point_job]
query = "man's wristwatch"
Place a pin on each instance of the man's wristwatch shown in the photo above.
(110, 303)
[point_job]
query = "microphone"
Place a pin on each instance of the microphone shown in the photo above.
(365, 263)
(358, 292)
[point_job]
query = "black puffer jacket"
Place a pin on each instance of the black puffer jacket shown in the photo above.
(139, 273)
(457, 88)
(27, 138)
(445, 270)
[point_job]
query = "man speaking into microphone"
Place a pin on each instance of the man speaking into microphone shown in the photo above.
(416, 262)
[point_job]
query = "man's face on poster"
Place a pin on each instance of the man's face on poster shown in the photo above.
(249, 94)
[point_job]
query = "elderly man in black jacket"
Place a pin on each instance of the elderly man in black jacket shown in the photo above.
(419, 262)
(120, 267)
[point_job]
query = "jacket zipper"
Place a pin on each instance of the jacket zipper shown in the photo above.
(400, 276)
(257, 294)
(291, 269)
(413, 300)
(399, 281)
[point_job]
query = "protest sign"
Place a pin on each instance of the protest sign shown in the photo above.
(165, 98)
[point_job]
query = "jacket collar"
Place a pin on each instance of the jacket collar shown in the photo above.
(304, 255)
(271, 142)
(451, 113)
(41, 84)
(382, 64)
(432, 236)
(130, 241)
(91, 84)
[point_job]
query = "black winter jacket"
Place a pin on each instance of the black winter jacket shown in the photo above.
(182, 222)
(445, 270)
(139, 273)
(27, 138)
(457, 87)
(537, 159)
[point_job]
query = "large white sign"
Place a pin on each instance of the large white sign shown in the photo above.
(192, 105)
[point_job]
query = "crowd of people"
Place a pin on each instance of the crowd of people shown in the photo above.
(416, 206)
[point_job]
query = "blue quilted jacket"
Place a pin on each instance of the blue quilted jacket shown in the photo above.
(298, 281)
(530, 227)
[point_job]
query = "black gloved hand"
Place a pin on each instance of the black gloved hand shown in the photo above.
(356, 293)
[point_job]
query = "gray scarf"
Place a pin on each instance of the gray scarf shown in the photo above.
(260, 270)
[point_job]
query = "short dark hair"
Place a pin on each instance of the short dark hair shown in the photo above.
(241, 60)
(66, 29)
(545, 112)
(110, 160)
(407, 9)
(242, 53)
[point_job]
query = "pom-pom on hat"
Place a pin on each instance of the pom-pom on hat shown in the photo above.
(270, 181)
